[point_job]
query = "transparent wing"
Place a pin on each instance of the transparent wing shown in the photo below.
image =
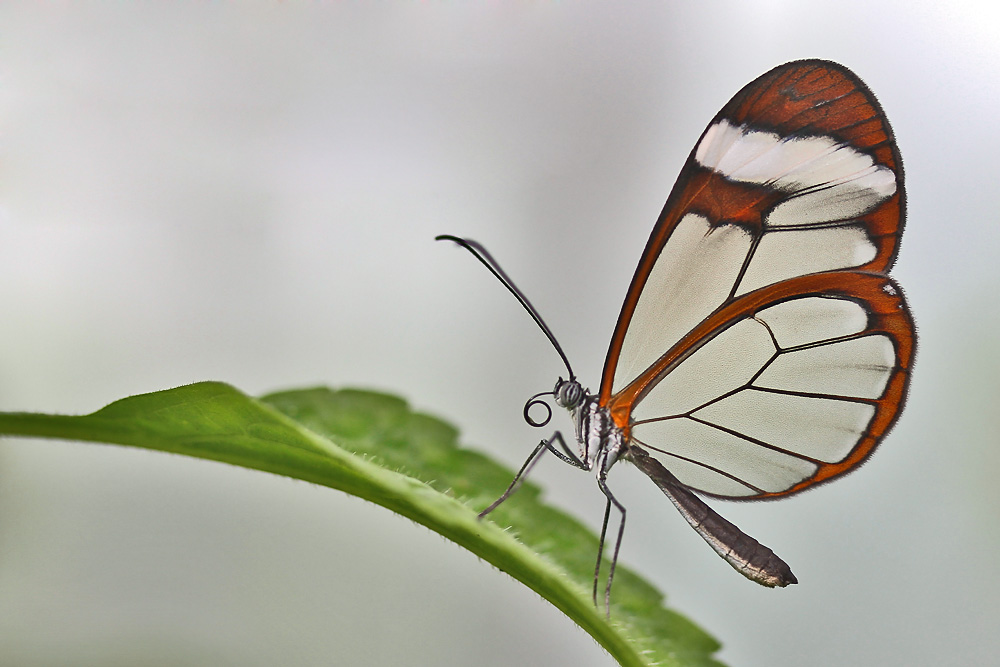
(785, 387)
(797, 174)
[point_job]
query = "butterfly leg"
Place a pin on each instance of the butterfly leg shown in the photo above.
(566, 455)
(528, 465)
(602, 483)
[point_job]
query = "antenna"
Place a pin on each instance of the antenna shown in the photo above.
(480, 253)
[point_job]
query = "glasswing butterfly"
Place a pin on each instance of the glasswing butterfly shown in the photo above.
(762, 349)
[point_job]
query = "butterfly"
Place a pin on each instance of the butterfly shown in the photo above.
(762, 349)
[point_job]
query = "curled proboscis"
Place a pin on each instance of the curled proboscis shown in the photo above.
(536, 400)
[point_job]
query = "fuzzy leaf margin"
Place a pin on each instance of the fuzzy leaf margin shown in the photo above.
(371, 445)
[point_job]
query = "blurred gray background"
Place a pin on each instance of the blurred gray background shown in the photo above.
(249, 193)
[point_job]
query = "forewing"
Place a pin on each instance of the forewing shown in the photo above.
(797, 174)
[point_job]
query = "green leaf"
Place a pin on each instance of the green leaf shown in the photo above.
(372, 446)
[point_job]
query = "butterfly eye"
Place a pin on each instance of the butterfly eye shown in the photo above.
(569, 394)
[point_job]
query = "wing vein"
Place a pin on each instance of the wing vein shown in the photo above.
(701, 464)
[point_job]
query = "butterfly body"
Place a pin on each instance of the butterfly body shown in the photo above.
(600, 440)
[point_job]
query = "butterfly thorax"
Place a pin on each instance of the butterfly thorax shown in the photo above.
(599, 439)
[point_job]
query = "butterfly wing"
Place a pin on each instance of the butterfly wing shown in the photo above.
(761, 348)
